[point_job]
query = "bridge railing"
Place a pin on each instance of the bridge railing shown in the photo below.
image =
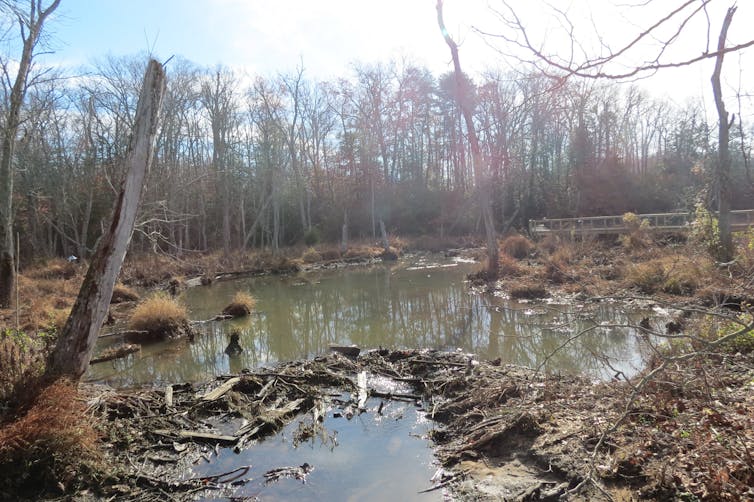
(740, 220)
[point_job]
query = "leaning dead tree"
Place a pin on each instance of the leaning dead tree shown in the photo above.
(481, 180)
(76, 342)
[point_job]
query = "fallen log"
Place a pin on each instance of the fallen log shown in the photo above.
(351, 351)
(116, 353)
(127, 332)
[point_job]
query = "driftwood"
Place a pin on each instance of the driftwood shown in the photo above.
(361, 382)
(127, 332)
(348, 351)
(116, 353)
(221, 390)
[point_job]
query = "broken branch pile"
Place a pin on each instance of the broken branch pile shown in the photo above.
(517, 433)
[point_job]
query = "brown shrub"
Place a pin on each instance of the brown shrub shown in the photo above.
(56, 268)
(330, 253)
(647, 276)
(508, 267)
(311, 255)
(527, 291)
(365, 252)
(52, 442)
(674, 274)
(122, 293)
(160, 316)
(517, 246)
(550, 243)
(22, 360)
(241, 305)
(555, 272)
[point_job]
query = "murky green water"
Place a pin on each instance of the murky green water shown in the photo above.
(421, 302)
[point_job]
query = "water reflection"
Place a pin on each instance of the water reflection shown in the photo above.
(411, 304)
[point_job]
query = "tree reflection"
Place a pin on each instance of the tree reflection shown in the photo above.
(400, 307)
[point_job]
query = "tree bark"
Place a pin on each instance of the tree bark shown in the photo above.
(76, 342)
(480, 178)
(725, 251)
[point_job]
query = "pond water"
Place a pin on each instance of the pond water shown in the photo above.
(419, 302)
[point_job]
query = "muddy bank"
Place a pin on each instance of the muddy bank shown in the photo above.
(502, 432)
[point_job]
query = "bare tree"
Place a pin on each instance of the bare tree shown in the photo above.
(725, 251)
(480, 173)
(219, 99)
(656, 39)
(30, 23)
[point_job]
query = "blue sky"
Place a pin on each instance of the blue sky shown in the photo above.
(260, 36)
(271, 36)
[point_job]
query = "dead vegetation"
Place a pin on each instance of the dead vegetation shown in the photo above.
(51, 444)
(159, 317)
(502, 431)
(241, 305)
(597, 268)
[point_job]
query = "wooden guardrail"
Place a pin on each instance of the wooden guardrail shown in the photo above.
(659, 222)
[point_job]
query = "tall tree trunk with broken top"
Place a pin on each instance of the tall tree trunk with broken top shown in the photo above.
(722, 172)
(481, 177)
(76, 342)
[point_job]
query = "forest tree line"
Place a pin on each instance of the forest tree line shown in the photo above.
(246, 162)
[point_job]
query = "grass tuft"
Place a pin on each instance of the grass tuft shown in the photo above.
(123, 293)
(241, 305)
(160, 316)
(517, 246)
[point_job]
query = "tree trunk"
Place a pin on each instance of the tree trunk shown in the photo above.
(482, 184)
(76, 342)
(725, 253)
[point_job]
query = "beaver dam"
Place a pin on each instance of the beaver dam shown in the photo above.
(477, 398)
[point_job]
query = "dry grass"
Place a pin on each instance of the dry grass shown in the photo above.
(527, 290)
(56, 268)
(52, 444)
(517, 246)
(160, 315)
(311, 255)
(22, 360)
(674, 274)
(508, 267)
(362, 251)
(123, 293)
(329, 253)
(242, 304)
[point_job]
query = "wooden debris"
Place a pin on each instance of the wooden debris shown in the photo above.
(116, 353)
(169, 395)
(361, 382)
(300, 473)
(196, 435)
(125, 333)
(221, 390)
(351, 351)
